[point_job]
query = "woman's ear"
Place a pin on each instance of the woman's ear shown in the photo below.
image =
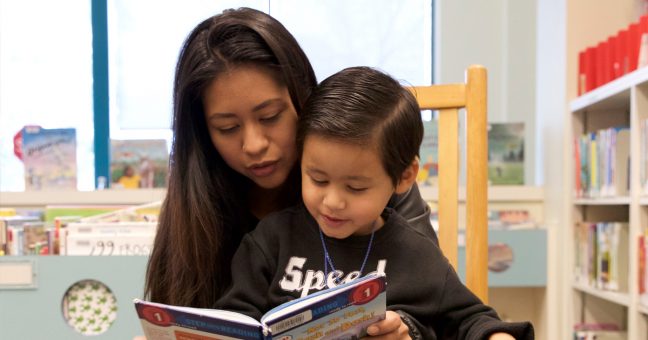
(408, 177)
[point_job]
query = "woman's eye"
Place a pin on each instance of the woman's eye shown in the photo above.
(270, 119)
(227, 129)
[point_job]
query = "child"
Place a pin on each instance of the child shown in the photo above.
(359, 137)
(129, 179)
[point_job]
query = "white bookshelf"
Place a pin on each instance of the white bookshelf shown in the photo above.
(622, 102)
(603, 201)
(99, 197)
(622, 299)
(643, 309)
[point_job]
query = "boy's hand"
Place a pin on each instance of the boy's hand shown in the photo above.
(390, 328)
(501, 336)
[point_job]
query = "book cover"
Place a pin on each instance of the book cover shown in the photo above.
(429, 155)
(138, 163)
(49, 157)
(36, 238)
(8, 222)
(342, 312)
(506, 153)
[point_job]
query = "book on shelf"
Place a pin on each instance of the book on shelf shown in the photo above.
(643, 268)
(53, 211)
(601, 259)
(600, 335)
(138, 163)
(602, 163)
(510, 219)
(643, 155)
(49, 157)
(148, 212)
(109, 238)
(599, 331)
(342, 312)
(506, 153)
(428, 174)
(8, 244)
(614, 56)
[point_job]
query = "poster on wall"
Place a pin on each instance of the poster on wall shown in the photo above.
(49, 157)
(506, 153)
(138, 163)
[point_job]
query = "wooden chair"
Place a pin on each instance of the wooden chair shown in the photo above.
(448, 100)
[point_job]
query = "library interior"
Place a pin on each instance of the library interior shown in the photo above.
(532, 170)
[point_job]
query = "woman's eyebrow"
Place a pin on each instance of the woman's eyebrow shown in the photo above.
(267, 103)
(261, 106)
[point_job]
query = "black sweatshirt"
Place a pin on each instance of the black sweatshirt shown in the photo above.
(283, 259)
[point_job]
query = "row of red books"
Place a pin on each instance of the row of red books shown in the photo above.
(612, 58)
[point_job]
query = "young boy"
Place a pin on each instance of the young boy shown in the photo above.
(359, 137)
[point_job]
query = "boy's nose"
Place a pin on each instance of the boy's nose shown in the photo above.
(334, 201)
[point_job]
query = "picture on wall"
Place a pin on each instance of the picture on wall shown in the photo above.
(506, 153)
(49, 157)
(429, 155)
(138, 163)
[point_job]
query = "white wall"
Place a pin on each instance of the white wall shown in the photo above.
(501, 36)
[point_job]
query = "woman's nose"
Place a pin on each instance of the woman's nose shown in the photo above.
(255, 140)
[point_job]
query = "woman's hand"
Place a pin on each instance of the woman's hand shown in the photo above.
(501, 336)
(390, 328)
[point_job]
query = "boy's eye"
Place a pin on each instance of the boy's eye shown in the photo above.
(319, 182)
(357, 189)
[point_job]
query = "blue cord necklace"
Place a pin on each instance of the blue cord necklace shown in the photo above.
(329, 262)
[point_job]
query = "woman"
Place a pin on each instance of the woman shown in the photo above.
(241, 81)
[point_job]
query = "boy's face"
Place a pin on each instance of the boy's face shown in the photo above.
(344, 186)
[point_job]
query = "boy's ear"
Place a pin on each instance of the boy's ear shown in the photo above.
(408, 177)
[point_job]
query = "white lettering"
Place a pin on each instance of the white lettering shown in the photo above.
(313, 279)
(292, 280)
(295, 280)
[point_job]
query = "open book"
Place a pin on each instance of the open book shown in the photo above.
(342, 312)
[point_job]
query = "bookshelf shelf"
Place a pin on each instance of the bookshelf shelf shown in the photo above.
(595, 119)
(603, 201)
(516, 193)
(614, 93)
(643, 309)
(618, 298)
(99, 197)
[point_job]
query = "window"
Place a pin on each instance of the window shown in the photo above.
(46, 67)
(46, 61)
(395, 36)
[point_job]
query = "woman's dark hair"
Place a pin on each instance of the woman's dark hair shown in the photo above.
(204, 214)
(363, 106)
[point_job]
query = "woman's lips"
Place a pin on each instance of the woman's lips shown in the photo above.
(263, 169)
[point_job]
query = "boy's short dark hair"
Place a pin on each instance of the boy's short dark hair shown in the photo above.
(364, 106)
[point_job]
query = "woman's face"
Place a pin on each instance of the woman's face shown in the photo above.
(252, 123)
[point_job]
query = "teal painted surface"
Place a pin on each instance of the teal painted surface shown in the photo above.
(529, 266)
(100, 90)
(37, 314)
(124, 275)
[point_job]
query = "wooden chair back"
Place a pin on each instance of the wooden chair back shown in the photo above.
(448, 99)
